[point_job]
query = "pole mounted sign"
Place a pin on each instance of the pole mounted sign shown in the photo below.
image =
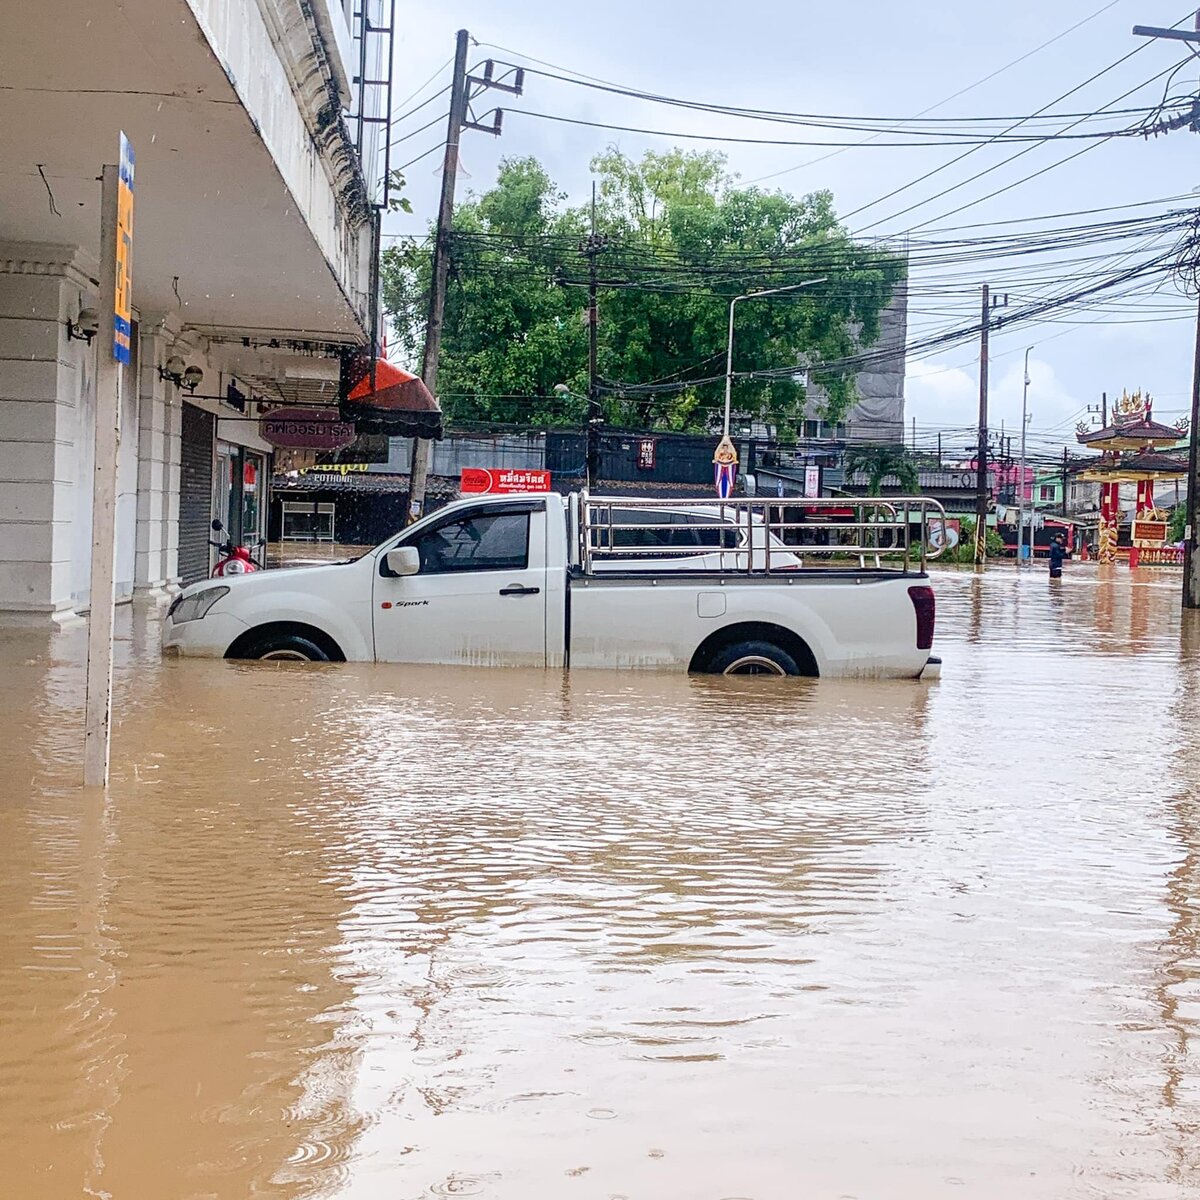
(122, 298)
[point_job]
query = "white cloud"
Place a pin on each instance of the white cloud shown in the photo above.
(944, 396)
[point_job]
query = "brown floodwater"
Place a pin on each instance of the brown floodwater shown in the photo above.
(382, 932)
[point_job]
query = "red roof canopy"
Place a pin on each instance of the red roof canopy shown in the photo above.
(382, 398)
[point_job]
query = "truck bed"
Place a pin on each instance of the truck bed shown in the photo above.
(853, 623)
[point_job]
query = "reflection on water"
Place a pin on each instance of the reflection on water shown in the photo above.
(382, 932)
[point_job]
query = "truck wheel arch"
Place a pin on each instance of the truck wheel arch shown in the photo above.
(755, 631)
(244, 641)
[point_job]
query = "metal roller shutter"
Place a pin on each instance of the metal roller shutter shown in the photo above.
(195, 492)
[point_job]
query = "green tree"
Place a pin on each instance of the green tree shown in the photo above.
(964, 552)
(682, 240)
(1178, 523)
(877, 463)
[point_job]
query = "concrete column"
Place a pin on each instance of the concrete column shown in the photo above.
(45, 382)
(156, 571)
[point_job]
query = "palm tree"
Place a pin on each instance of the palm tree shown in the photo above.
(877, 463)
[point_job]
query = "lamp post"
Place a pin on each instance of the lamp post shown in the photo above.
(792, 287)
(1021, 484)
(591, 435)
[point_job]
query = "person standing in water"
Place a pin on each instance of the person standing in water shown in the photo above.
(1057, 554)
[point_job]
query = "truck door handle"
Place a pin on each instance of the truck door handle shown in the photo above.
(517, 589)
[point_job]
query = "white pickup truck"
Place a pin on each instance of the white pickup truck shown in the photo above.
(553, 581)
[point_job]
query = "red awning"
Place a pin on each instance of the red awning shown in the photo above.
(389, 401)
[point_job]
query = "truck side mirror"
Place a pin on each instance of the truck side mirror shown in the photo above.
(404, 560)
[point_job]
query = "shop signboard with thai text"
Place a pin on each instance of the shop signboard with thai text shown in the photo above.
(502, 480)
(305, 429)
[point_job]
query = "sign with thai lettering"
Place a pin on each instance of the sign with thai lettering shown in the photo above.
(305, 429)
(342, 469)
(812, 481)
(123, 297)
(479, 480)
(1149, 533)
(646, 453)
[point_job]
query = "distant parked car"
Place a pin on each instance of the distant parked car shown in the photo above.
(717, 535)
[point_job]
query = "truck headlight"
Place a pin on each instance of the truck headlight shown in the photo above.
(193, 608)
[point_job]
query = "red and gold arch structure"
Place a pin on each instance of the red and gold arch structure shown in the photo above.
(1131, 452)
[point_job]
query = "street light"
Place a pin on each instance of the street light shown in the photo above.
(591, 435)
(792, 287)
(1021, 506)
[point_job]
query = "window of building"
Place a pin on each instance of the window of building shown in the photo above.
(305, 521)
(1047, 492)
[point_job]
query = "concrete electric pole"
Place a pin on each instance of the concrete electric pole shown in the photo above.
(460, 100)
(1191, 536)
(981, 453)
(591, 247)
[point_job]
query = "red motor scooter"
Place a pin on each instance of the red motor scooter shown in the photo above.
(234, 560)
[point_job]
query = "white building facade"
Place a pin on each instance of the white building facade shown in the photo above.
(257, 197)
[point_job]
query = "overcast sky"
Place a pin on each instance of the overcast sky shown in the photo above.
(875, 58)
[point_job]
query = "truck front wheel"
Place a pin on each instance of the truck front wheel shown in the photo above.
(752, 658)
(287, 646)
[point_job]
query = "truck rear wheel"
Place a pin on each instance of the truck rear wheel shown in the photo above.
(752, 658)
(290, 647)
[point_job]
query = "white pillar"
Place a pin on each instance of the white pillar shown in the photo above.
(156, 571)
(46, 381)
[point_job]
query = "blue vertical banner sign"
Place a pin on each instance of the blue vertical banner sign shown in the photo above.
(122, 300)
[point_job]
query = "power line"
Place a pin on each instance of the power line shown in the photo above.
(945, 166)
(413, 95)
(432, 150)
(438, 120)
(944, 138)
(954, 96)
(996, 167)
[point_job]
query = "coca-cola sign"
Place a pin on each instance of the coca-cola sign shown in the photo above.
(474, 480)
(306, 429)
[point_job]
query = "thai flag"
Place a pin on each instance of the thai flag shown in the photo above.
(725, 474)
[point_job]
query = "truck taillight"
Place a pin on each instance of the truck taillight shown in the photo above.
(924, 606)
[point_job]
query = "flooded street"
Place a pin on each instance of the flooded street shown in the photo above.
(385, 932)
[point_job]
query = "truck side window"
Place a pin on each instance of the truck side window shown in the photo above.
(483, 542)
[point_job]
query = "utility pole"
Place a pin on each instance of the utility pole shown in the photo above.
(591, 247)
(981, 491)
(1191, 544)
(1191, 550)
(1065, 468)
(981, 460)
(441, 267)
(1021, 481)
(460, 99)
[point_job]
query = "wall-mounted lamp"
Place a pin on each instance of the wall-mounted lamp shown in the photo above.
(86, 327)
(177, 372)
